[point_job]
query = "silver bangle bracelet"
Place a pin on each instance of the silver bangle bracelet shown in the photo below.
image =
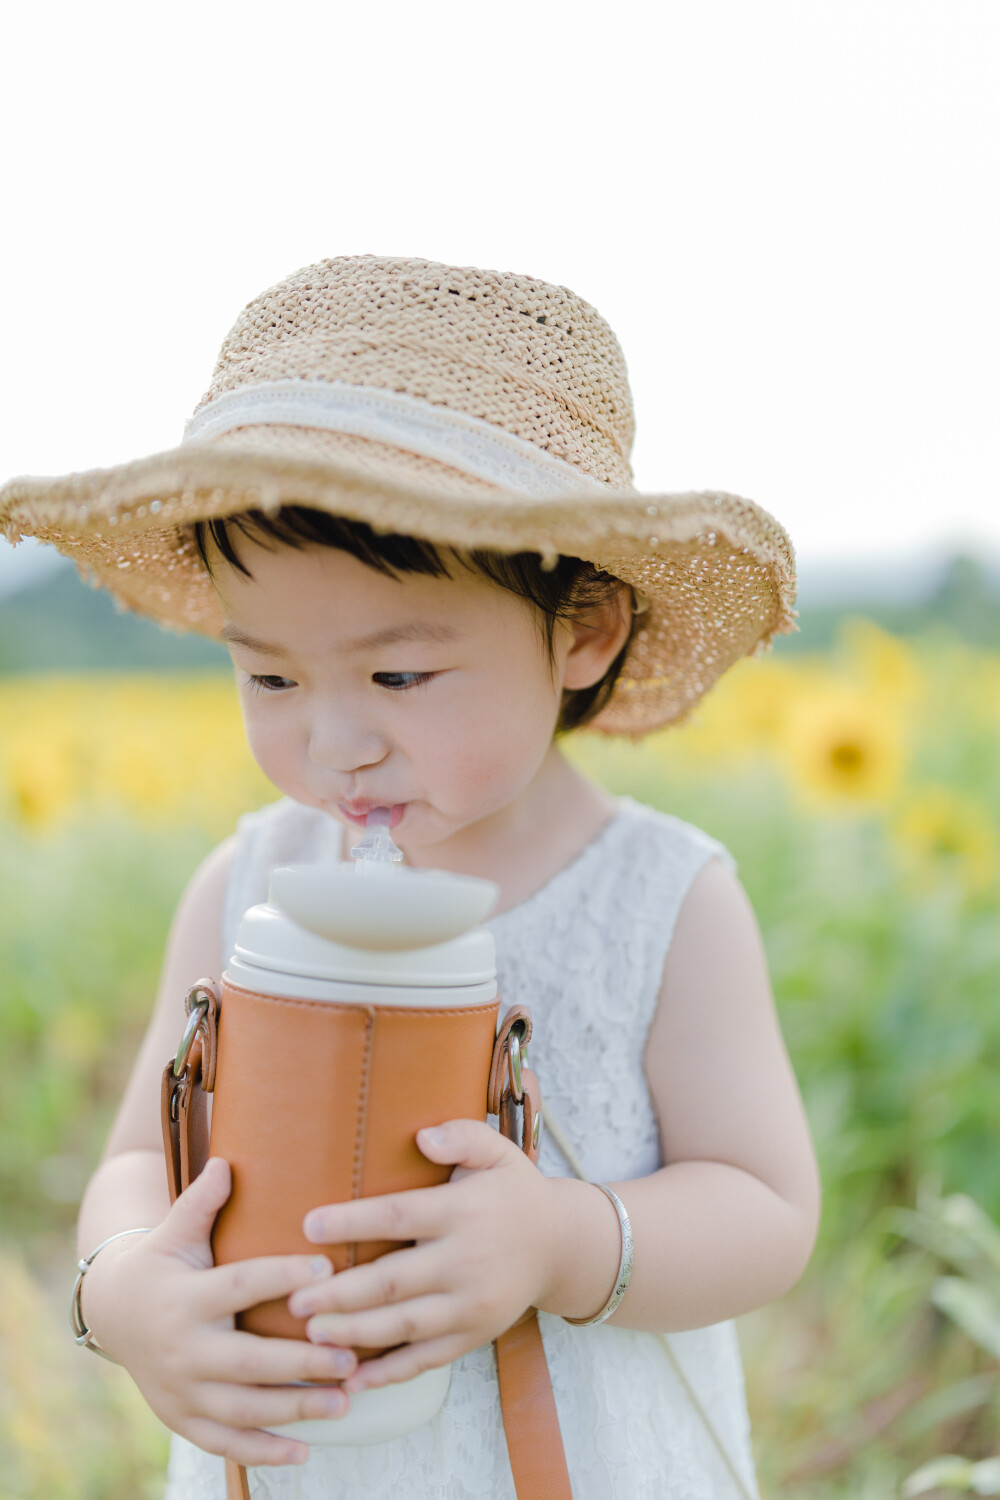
(624, 1265)
(81, 1333)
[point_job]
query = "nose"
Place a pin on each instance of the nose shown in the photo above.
(338, 742)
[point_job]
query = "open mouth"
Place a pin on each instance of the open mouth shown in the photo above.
(357, 812)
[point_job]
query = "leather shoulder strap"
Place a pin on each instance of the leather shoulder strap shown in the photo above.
(237, 1485)
(527, 1404)
(184, 1094)
(530, 1419)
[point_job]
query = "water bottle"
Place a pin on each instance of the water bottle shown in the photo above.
(359, 1005)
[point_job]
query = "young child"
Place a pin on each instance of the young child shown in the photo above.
(406, 505)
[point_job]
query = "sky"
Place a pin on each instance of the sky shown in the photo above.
(787, 210)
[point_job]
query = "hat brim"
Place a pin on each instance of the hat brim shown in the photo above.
(718, 570)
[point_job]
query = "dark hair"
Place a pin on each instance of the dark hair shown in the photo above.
(559, 592)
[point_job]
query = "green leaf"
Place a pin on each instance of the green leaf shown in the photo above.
(962, 1213)
(953, 1400)
(972, 1307)
(949, 1472)
(986, 1476)
(955, 1229)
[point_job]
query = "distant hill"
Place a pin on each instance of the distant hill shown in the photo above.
(61, 625)
(963, 597)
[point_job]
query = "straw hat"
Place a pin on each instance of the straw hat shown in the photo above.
(466, 407)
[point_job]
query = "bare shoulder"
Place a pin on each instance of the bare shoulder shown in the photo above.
(193, 952)
(716, 948)
(197, 924)
(715, 904)
(718, 1070)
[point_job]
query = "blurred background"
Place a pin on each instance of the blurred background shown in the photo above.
(789, 214)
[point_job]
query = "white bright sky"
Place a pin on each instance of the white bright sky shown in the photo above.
(788, 211)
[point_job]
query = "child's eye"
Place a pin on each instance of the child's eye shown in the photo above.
(269, 684)
(398, 681)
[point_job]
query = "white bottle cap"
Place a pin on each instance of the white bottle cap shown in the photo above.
(268, 939)
(406, 909)
(323, 926)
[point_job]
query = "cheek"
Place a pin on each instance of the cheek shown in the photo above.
(482, 748)
(271, 742)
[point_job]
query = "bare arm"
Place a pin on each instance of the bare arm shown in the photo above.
(729, 1224)
(155, 1302)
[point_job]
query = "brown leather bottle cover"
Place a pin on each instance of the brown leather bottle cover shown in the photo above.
(317, 1102)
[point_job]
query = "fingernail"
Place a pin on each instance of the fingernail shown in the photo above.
(336, 1404)
(433, 1135)
(312, 1227)
(343, 1361)
(320, 1266)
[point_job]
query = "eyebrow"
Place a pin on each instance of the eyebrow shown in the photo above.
(412, 630)
(234, 636)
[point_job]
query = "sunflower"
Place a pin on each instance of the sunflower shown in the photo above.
(154, 750)
(41, 758)
(941, 834)
(841, 744)
(881, 662)
(38, 781)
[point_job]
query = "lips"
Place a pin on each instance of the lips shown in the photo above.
(358, 811)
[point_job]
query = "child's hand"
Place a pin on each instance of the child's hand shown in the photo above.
(164, 1311)
(485, 1251)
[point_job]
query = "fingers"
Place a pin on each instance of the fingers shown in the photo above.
(417, 1319)
(223, 1291)
(188, 1225)
(405, 1363)
(421, 1213)
(268, 1361)
(247, 1406)
(466, 1143)
(414, 1215)
(391, 1278)
(251, 1448)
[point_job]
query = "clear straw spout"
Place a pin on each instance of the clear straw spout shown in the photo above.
(375, 853)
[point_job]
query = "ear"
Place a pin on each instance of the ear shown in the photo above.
(598, 634)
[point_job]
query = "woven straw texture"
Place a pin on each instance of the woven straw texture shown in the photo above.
(531, 359)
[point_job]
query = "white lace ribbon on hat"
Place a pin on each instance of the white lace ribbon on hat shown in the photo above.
(465, 442)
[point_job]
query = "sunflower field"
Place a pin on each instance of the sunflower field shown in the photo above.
(859, 791)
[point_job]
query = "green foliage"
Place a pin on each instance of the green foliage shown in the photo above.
(71, 1426)
(83, 922)
(956, 1230)
(965, 602)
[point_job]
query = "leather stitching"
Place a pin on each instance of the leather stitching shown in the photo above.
(359, 1134)
(351, 1008)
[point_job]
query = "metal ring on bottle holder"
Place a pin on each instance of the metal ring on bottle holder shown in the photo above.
(197, 1009)
(175, 1100)
(514, 1062)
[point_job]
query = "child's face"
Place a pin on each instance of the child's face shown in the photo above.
(434, 697)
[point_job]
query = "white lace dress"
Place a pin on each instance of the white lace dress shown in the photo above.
(586, 953)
